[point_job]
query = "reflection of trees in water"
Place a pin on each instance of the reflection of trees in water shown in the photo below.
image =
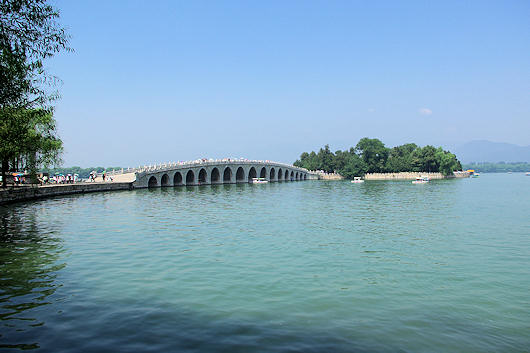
(28, 264)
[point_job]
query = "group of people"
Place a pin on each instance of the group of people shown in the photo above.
(61, 179)
(43, 178)
(19, 179)
(93, 175)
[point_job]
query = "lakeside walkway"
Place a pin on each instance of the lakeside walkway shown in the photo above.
(32, 192)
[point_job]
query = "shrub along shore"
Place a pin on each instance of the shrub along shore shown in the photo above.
(372, 156)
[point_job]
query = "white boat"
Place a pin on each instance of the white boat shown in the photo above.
(259, 181)
(421, 180)
(527, 173)
(357, 180)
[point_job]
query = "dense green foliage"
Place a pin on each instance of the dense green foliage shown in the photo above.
(500, 167)
(29, 137)
(29, 34)
(371, 156)
(82, 172)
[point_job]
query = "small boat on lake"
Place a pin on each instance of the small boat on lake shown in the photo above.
(527, 174)
(357, 180)
(421, 180)
(259, 181)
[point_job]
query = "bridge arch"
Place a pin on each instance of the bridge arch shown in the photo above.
(190, 177)
(214, 176)
(240, 175)
(252, 173)
(165, 180)
(202, 176)
(227, 175)
(218, 172)
(177, 179)
(152, 183)
(263, 173)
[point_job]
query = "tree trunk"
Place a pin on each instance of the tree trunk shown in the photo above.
(32, 168)
(4, 170)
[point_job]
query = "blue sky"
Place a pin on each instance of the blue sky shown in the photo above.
(171, 80)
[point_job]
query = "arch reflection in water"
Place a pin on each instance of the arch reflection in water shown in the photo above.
(252, 173)
(202, 176)
(190, 177)
(215, 176)
(165, 180)
(152, 182)
(177, 179)
(240, 175)
(227, 175)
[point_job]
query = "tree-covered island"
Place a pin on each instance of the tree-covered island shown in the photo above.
(371, 156)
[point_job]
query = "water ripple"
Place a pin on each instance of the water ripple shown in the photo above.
(312, 267)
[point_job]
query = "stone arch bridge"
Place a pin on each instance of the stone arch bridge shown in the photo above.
(218, 172)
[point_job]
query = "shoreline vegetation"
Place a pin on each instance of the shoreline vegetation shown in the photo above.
(500, 167)
(372, 156)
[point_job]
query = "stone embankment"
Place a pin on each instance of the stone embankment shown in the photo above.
(412, 175)
(329, 176)
(394, 176)
(25, 193)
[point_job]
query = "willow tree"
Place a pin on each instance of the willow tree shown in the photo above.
(31, 137)
(29, 34)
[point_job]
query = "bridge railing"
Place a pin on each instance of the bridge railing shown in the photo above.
(199, 162)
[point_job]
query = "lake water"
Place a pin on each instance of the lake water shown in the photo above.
(313, 266)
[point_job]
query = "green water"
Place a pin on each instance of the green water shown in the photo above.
(310, 266)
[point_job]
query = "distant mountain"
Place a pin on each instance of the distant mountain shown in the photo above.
(487, 151)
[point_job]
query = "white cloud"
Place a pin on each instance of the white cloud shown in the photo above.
(425, 111)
